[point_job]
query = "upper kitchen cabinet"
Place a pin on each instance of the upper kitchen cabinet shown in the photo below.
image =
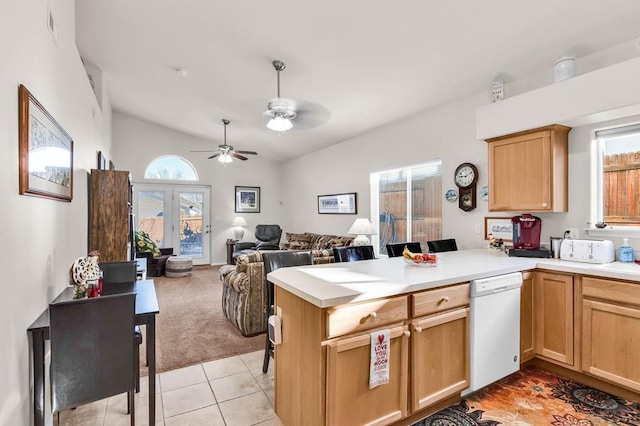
(528, 171)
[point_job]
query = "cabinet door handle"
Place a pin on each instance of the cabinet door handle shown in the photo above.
(445, 299)
(544, 205)
(373, 315)
(407, 333)
(418, 329)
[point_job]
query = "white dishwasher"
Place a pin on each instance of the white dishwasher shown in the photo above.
(495, 329)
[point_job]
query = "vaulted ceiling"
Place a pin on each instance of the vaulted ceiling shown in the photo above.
(351, 65)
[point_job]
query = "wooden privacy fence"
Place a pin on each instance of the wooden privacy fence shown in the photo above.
(621, 189)
(426, 201)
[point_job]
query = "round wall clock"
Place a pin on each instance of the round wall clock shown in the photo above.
(466, 177)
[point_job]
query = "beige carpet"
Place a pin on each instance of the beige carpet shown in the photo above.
(191, 327)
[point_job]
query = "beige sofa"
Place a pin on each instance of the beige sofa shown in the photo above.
(244, 286)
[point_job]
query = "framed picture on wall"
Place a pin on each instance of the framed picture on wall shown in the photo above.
(338, 203)
(499, 227)
(247, 199)
(102, 161)
(46, 151)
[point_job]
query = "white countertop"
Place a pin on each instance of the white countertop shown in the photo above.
(336, 284)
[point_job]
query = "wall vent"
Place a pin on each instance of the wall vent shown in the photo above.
(51, 24)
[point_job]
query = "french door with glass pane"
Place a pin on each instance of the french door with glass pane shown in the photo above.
(175, 216)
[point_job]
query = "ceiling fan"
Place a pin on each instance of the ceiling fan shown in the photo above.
(280, 111)
(226, 153)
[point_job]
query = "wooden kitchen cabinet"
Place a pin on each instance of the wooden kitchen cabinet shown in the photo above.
(440, 363)
(611, 331)
(349, 399)
(110, 230)
(528, 171)
(527, 323)
(322, 365)
(553, 317)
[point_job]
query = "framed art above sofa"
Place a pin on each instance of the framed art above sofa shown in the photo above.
(338, 203)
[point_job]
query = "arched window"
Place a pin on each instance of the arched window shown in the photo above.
(170, 167)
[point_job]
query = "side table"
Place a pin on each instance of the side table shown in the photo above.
(230, 245)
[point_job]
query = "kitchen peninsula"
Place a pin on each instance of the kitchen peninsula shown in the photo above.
(328, 313)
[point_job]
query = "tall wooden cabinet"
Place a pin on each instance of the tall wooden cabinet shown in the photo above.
(110, 231)
(528, 171)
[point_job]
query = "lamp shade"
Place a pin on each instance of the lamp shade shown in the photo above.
(361, 227)
(239, 221)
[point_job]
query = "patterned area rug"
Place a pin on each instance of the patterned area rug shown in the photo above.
(536, 397)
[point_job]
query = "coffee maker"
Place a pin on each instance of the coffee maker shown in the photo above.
(526, 231)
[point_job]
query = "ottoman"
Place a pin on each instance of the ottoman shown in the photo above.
(178, 266)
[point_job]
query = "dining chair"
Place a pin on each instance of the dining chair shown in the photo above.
(438, 246)
(274, 260)
(92, 351)
(396, 249)
(353, 253)
(119, 277)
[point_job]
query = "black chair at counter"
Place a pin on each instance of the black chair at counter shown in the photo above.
(353, 253)
(396, 249)
(438, 246)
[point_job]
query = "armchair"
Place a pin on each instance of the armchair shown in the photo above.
(267, 238)
(156, 257)
(156, 265)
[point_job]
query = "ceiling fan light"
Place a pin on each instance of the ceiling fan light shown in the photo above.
(279, 124)
(225, 158)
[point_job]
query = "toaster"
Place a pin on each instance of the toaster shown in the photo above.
(590, 251)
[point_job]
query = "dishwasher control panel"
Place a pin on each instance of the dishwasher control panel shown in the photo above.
(495, 284)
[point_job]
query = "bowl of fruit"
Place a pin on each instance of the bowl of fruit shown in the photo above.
(419, 259)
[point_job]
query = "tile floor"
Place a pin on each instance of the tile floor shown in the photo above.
(227, 392)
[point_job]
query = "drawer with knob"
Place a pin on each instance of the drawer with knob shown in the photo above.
(353, 318)
(441, 299)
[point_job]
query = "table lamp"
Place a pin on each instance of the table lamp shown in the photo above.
(238, 232)
(361, 227)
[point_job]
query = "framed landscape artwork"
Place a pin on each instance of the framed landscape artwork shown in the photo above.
(247, 199)
(338, 203)
(46, 151)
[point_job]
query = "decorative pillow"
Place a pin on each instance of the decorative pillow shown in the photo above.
(339, 242)
(144, 244)
(298, 245)
(291, 237)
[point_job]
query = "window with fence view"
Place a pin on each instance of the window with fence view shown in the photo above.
(410, 204)
(619, 150)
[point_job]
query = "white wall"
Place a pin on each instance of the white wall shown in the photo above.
(449, 133)
(446, 133)
(40, 237)
(137, 142)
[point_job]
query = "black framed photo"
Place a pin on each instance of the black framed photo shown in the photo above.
(102, 161)
(46, 151)
(338, 203)
(247, 199)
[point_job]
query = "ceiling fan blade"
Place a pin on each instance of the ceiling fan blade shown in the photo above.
(236, 155)
(247, 152)
(209, 150)
(213, 156)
